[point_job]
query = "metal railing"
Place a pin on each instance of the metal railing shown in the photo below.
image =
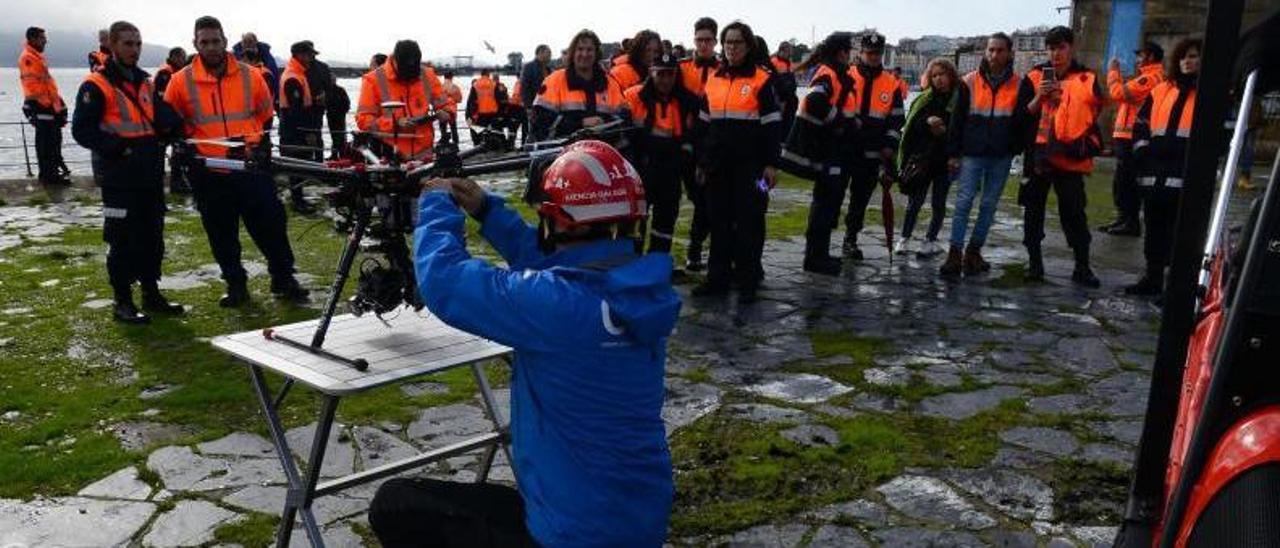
(27, 154)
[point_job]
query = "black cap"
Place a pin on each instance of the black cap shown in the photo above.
(873, 42)
(1157, 52)
(666, 61)
(1059, 35)
(305, 46)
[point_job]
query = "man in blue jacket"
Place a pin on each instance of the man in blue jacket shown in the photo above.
(588, 319)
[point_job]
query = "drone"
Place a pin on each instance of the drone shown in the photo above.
(374, 197)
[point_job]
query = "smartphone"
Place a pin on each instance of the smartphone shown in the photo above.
(1050, 75)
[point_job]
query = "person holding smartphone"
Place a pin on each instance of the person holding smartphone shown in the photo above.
(1063, 100)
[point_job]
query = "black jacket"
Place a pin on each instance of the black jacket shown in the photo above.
(122, 162)
(531, 77)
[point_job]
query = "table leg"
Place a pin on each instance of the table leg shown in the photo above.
(486, 462)
(491, 410)
(292, 476)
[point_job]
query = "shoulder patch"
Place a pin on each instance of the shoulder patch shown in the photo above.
(86, 98)
(1142, 80)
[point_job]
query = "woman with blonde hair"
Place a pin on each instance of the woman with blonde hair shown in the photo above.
(922, 155)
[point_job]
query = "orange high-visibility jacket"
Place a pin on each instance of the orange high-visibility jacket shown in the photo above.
(37, 83)
(486, 100)
(122, 116)
(234, 106)
(295, 71)
(879, 104)
(826, 81)
(626, 75)
(669, 120)
(781, 65)
(1130, 95)
(420, 97)
(695, 74)
(1068, 119)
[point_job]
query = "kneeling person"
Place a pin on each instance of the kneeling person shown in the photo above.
(588, 319)
(118, 119)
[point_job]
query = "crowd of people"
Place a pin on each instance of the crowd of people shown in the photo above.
(715, 126)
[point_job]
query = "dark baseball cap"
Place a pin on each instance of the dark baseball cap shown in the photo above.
(1153, 48)
(305, 46)
(873, 42)
(665, 61)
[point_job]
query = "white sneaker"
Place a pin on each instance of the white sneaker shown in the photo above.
(905, 246)
(929, 248)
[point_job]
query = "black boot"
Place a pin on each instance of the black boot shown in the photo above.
(237, 295)
(1082, 274)
(1151, 284)
(124, 310)
(289, 289)
(155, 302)
(850, 248)
(817, 254)
(1035, 265)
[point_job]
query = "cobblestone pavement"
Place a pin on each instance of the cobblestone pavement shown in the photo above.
(1069, 365)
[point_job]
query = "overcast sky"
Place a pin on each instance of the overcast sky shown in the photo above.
(351, 31)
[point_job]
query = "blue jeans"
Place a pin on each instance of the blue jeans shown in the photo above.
(985, 174)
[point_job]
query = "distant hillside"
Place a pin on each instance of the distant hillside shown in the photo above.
(69, 49)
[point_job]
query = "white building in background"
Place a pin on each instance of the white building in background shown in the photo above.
(912, 55)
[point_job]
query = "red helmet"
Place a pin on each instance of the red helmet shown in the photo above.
(590, 182)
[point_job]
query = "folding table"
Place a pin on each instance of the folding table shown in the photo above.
(409, 345)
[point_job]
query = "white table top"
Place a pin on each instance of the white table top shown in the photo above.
(416, 343)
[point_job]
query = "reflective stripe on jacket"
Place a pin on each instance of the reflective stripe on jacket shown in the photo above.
(1070, 120)
(121, 116)
(1162, 133)
(741, 111)
(1130, 95)
(986, 122)
(419, 96)
(233, 106)
(880, 108)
